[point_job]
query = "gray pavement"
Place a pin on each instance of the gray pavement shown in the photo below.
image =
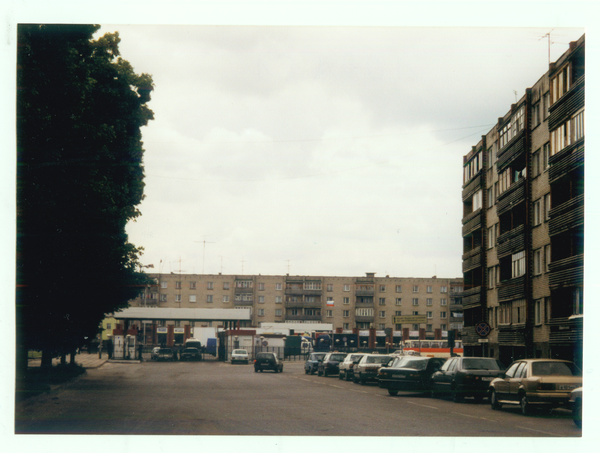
(85, 360)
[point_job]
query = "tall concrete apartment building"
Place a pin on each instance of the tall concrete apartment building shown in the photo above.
(345, 302)
(523, 219)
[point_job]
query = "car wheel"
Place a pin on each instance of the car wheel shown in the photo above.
(525, 407)
(577, 415)
(361, 379)
(306, 371)
(355, 379)
(340, 376)
(347, 376)
(392, 392)
(325, 373)
(494, 401)
(312, 371)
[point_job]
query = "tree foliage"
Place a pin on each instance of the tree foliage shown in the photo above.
(80, 177)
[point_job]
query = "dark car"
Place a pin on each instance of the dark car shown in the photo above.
(409, 374)
(190, 354)
(466, 376)
(331, 363)
(312, 363)
(267, 361)
(165, 354)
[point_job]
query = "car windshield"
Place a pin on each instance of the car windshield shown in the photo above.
(415, 363)
(378, 359)
(481, 364)
(316, 356)
(554, 369)
(239, 351)
(337, 357)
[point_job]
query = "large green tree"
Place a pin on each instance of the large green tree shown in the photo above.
(80, 108)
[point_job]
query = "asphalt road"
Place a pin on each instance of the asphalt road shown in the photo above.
(214, 398)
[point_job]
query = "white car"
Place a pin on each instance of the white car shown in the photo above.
(239, 355)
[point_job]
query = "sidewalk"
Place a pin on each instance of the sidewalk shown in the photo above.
(85, 360)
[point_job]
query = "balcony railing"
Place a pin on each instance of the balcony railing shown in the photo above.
(511, 197)
(512, 289)
(512, 241)
(566, 272)
(566, 216)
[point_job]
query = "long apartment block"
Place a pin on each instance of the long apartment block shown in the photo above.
(345, 302)
(523, 203)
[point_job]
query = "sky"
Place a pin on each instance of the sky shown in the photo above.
(319, 150)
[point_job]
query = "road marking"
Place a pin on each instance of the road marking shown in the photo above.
(337, 387)
(538, 431)
(465, 415)
(422, 405)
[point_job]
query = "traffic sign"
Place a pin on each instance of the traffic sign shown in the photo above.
(483, 329)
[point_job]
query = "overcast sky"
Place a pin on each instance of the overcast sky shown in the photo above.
(319, 150)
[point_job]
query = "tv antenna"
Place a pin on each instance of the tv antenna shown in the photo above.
(204, 242)
(547, 35)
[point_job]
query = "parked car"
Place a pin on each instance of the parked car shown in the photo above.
(154, 353)
(330, 363)
(348, 364)
(533, 383)
(239, 355)
(190, 354)
(267, 361)
(466, 376)
(312, 363)
(409, 374)
(576, 404)
(368, 366)
(165, 354)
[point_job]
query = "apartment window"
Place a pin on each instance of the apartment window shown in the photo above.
(519, 314)
(538, 311)
(429, 302)
(329, 287)
(443, 302)
(546, 105)
(428, 327)
(518, 264)
(504, 181)
(491, 156)
(346, 326)
(225, 299)
(164, 285)
(560, 84)
(209, 298)
(381, 326)
(346, 313)
(429, 315)
(261, 299)
(535, 164)
(490, 197)
(398, 288)
(346, 300)
(578, 126)
(546, 156)
(225, 285)
(312, 285)
(415, 313)
(177, 285)
(443, 289)
(537, 262)
(192, 298)
(244, 284)
(177, 297)
(547, 207)
(505, 135)
(504, 313)
(382, 314)
(429, 289)
(278, 312)
(398, 313)
(209, 285)
(398, 301)
(537, 212)
(578, 301)
(547, 257)
(415, 301)
(278, 286)
(163, 297)
(346, 287)
(261, 312)
(535, 114)
(382, 288)
(477, 200)
(364, 312)
(415, 289)
(261, 286)
(278, 299)
(491, 236)
(443, 327)
(546, 310)
(491, 277)
(329, 313)
(382, 301)
(192, 285)
(443, 314)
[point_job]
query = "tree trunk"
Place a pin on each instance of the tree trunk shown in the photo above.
(72, 360)
(63, 359)
(46, 359)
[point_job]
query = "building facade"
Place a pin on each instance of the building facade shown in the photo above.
(523, 201)
(347, 303)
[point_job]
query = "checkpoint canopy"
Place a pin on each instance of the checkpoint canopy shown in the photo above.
(184, 314)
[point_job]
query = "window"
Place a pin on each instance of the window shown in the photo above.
(225, 285)
(504, 181)
(225, 299)
(546, 310)
(164, 285)
(312, 285)
(192, 298)
(477, 200)
(490, 197)
(261, 286)
(278, 312)
(443, 302)
(415, 289)
(244, 284)
(398, 288)
(546, 156)
(415, 313)
(443, 327)
(504, 313)
(547, 257)
(163, 297)
(177, 285)
(518, 264)
(261, 312)
(546, 105)
(429, 289)
(346, 287)
(538, 311)
(329, 287)
(278, 286)
(560, 84)
(364, 312)
(346, 326)
(209, 285)
(415, 327)
(491, 236)
(382, 301)
(578, 301)
(519, 313)
(278, 299)
(429, 315)
(209, 298)
(429, 302)
(329, 313)
(346, 313)
(398, 301)
(381, 326)
(578, 126)
(443, 314)
(443, 289)
(547, 207)
(382, 288)
(491, 277)
(535, 115)
(535, 164)
(346, 300)
(491, 156)
(261, 299)
(428, 327)
(382, 314)
(415, 301)
(192, 285)
(398, 313)
(537, 262)
(537, 212)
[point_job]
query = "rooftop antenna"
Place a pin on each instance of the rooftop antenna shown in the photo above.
(204, 249)
(549, 43)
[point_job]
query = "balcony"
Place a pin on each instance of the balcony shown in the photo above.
(566, 161)
(364, 293)
(302, 304)
(364, 318)
(243, 290)
(566, 272)
(566, 331)
(511, 242)
(566, 216)
(471, 222)
(471, 259)
(243, 303)
(302, 317)
(567, 105)
(471, 298)
(512, 289)
(472, 187)
(511, 335)
(511, 197)
(469, 336)
(303, 292)
(511, 153)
